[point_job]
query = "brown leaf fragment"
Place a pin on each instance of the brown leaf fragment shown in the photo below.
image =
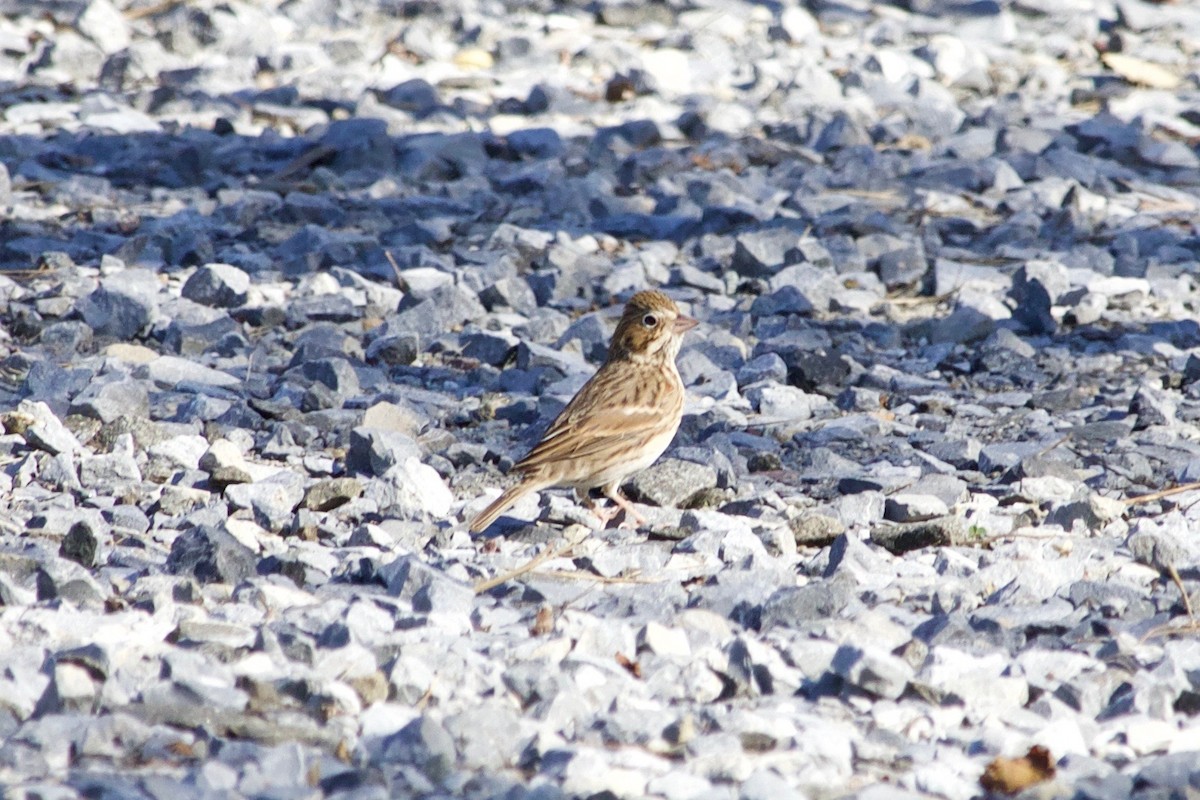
(1012, 775)
(543, 622)
(633, 667)
(182, 749)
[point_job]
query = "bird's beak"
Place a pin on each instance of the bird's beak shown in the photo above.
(683, 324)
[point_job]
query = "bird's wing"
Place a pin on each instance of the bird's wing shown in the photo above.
(587, 429)
(598, 433)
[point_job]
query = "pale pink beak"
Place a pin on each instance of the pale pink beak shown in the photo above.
(683, 324)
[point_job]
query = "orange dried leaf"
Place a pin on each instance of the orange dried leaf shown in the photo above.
(633, 667)
(181, 748)
(1012, 775)
(543, 622)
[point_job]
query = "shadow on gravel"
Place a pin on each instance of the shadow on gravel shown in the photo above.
(663, 190)
(811, 193)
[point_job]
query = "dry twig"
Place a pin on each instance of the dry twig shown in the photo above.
(1178, 581)
(1149, 498)
(528, 566)
(591, 576)
(135, 14)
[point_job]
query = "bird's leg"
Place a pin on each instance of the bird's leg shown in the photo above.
(613, 492)
(602, 515)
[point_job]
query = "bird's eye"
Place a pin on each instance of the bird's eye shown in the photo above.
(649, 320)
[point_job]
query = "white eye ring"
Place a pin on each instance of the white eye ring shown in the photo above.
(649, 320)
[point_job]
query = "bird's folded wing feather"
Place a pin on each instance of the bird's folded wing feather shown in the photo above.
(598, 432)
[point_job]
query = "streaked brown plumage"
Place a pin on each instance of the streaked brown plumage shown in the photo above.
(622, 419)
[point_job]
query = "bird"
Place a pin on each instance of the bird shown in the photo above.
(619, 422)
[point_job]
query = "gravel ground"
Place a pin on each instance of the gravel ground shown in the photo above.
(287, 286)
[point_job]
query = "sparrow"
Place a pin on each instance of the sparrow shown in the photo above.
(619, 422)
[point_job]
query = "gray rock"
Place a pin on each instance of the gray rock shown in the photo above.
(776, 402)
(272, 500)
(444, 597)
(762, 252)
(1084, 308)
(5, 189)
(798, 25)
(784, 300)
(59, 472)
(1175, 771)
(539, 143)
(53, 385)
(823, 372)
(331, 493)
(223, 460)
(445, 309)
(112, 472)
(800, 606)
(103, 23)
(1153, 406)
(1091, 513)
(513, 293)
(975, 315)
(490, 348)
(217, 285)
(42, 430)
(911, 507)
(67, 337)
(127, 517)
(416, 489)
(110, 400)
(396, 349)
(122, 306)
(872, 670)
(1035, 287)
(903, 266)
(947, 488)
(592, 332)
(664, 641)
(338, 374)
(373, 451)
(171, 372)
(417, 96)
(407, 576)
(860, 508)
(360, 144)
(197, 632)
(1053, 615)
(959, 453)
(945, 531)
(766, 367)
(617, 561)
(737, 594)
(487, 735)
(73, 689)
(816, 530)
(58, 578)
(997, 457)
(211, 555)
(672, 483)
(1163, 543)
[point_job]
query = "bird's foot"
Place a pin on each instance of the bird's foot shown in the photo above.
(626, 506)
(605, 515)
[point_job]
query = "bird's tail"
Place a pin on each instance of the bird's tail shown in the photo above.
(501, 504)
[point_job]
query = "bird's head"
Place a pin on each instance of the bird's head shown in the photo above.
(650, 327)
